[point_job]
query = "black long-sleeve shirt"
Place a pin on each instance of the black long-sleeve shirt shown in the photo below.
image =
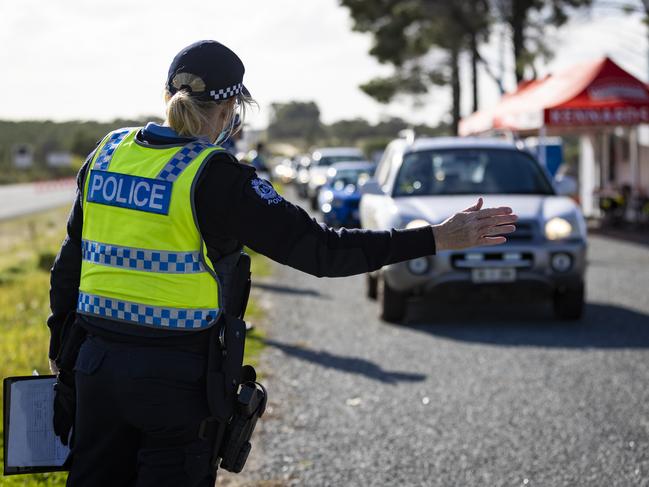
(231, 212)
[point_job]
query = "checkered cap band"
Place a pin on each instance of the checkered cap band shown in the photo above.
(141, 259)
(106, 152)
(225, 93)
(144, 314)
(181, 160)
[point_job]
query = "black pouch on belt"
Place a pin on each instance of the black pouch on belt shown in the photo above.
(250, 406)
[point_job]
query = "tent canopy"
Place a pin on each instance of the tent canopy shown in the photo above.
(585, 96)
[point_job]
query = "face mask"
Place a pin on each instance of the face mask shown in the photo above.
(226, 132)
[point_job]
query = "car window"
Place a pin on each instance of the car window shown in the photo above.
(345, 178)
(470, 171)
(329, 160)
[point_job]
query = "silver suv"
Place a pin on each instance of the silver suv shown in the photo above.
(427, 180)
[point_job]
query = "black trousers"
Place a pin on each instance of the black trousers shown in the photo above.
(139, 409)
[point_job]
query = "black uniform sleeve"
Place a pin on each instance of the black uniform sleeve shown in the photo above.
(232, 202)
(66, 271)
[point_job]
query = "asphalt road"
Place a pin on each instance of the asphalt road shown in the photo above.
(466, 394)
(22, 199)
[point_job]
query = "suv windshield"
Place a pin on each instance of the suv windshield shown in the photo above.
(470, 171)
(329, 160)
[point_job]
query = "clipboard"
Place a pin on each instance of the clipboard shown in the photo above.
(30, 445)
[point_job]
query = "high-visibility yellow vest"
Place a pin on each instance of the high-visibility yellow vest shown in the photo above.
(144, 260)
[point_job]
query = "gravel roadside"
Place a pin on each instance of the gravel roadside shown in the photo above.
(454, 398)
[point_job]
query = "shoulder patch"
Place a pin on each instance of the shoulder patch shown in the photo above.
(266, 191)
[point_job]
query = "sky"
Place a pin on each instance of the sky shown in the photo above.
(99, 60)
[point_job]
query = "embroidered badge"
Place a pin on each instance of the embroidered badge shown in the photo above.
(266, 191)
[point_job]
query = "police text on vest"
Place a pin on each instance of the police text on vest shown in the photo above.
(133, 192)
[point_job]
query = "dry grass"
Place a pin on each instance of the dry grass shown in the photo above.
(27, 248)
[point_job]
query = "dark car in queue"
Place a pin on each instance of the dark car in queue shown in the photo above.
(321, 160)
(339, 197)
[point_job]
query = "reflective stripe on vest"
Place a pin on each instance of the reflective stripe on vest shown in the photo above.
(143, 257)
(143, 314)
(180, 161)
(106, 152)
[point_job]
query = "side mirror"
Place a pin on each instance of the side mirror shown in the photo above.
(371, 186)
(566, 185)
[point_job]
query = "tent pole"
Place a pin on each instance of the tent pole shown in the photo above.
(605, 161)
(587, 172)
(605, 158)
(634, 162)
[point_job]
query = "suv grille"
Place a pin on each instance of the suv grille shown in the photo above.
(525, 232)
(475, 260)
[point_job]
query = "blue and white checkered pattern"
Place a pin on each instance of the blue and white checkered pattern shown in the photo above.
(144, 314)
(225, 93)
(142, 259)
(180, 161)
(106, 153)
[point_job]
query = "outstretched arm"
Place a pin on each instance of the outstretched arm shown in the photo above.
(273, 226)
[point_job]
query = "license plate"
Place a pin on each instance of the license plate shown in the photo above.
(493, 275)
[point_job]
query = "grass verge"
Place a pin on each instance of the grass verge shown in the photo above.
(27, 249)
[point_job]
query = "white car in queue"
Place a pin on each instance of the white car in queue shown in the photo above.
(427, 180)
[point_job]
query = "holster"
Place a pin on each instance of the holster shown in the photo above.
(233, 271)
(234, 397)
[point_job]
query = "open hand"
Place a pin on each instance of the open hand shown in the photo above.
(475, 226)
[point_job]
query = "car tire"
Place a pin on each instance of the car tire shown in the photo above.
(569, 302)
(314, 203)
(371, 286)
(393, 303)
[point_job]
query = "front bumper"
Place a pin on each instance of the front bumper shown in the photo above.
(455, 268)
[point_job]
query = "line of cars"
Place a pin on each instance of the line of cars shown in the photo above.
(424, 181)
(330, 179)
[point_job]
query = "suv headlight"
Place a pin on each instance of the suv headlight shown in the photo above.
(558, 228)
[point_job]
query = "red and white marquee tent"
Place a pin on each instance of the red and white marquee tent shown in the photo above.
(585, 96)
(589, 98)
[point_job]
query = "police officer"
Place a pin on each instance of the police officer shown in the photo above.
(157, 208)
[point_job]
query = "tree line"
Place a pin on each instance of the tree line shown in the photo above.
(295, 122)
(78, 138)
(424, 40)
(299, 122)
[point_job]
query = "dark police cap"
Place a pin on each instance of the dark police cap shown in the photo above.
(219, 69)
